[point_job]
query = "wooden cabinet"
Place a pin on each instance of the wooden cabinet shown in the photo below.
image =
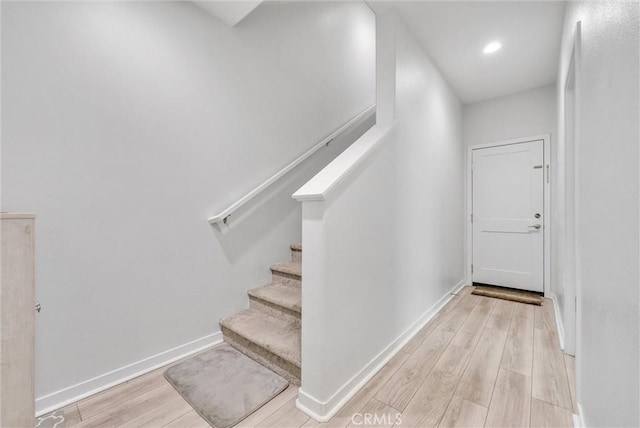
(17, 321)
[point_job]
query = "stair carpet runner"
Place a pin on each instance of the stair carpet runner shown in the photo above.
(269, 331)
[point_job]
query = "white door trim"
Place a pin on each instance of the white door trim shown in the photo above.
(546, 138)
(572, 290)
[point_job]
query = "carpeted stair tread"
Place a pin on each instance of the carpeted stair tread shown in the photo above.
(276, 335)
(290, 268)
(280, 295)
(296, 253)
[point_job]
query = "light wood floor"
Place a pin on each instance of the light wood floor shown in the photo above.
(479, 362)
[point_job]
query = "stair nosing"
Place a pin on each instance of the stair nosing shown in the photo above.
(225, 323)
(285, 269)
(253, 294)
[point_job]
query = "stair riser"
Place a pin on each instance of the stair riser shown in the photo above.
(274, 310)
(285, 278)
(296, 256)
(263, 356)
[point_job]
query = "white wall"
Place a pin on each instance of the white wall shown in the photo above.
(382, 236)
(607, 208)
(526, 113)
(350, 282)
(125, 126)
(429, 191)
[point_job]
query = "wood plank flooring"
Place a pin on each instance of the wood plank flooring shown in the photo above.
(479, 362)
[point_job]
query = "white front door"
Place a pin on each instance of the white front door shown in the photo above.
(508, 209)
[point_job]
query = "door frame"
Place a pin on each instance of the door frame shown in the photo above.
(571, 334)
(546, 144)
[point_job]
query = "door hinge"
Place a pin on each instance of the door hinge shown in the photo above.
(471, 217)
(471, 268)
(548, 173)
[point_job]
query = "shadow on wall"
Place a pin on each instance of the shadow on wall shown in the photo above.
(275, 204)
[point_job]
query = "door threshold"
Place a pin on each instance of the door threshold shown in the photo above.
(481, 284)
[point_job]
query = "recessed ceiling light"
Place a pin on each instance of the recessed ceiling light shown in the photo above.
(492, 47)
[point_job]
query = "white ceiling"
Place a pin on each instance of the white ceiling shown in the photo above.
(229, 12)
(453, 34)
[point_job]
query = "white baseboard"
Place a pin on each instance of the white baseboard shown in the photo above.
(578, 420)
(323, 411)
(559, 324)
(459, 286)
(71, 394)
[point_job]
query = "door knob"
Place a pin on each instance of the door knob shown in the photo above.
(536, 226)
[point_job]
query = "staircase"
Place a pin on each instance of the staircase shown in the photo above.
(269, 331)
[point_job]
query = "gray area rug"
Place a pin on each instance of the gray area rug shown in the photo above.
(223, 385)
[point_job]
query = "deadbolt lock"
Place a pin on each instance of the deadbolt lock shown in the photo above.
(537, 215)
